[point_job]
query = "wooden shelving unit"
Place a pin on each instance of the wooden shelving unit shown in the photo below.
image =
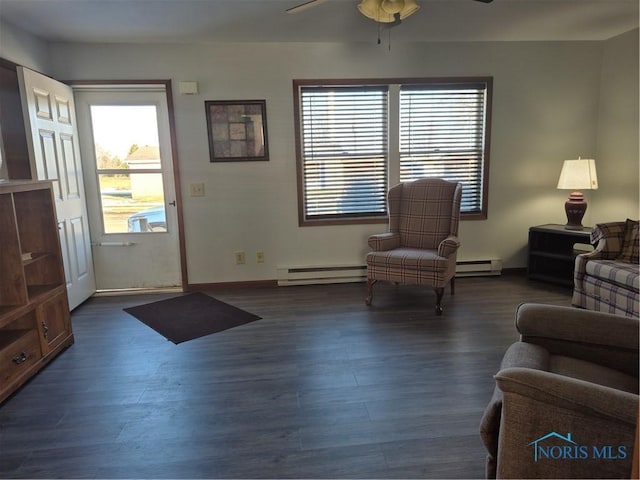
(35, 324)
(552, 252)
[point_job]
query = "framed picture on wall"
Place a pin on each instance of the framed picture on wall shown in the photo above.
(237, 130)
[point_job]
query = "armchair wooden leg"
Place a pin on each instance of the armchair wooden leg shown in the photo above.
(370, 283)
(453, 285)
(439, 294)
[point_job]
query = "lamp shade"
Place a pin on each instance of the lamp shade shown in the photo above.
(578, 174)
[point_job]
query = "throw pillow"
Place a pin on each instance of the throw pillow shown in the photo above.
(630, 247)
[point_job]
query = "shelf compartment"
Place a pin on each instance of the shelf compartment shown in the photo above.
(17, 317)
(43, 269)
(555, 256)
(39, 293)
(552, 253)
(35, 257)
(12, 281)
(35, 217)
(9, 336)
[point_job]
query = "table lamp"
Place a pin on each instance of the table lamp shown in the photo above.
(577, 175)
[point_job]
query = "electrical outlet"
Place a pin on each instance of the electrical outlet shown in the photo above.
(260, 256)
(196, 189)
(240, 258)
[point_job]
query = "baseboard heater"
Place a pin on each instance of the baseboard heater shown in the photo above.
(319, 274)
(478, 268)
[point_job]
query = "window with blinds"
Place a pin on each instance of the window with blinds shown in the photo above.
(442, 134)
(343, 134)
(344, 151)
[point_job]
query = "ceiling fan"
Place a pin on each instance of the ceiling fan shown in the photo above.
(390, 12)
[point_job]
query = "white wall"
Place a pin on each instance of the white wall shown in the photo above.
(24, 49)
(545, 110)
(617, 156)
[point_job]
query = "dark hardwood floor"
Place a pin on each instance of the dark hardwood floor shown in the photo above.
(321, 387)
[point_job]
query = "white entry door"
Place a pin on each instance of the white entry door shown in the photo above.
(54, 153)
(128, 164)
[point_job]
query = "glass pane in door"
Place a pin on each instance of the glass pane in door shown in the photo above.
(129, 168)
(132, 202)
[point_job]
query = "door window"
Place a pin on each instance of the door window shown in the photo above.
(129, 168)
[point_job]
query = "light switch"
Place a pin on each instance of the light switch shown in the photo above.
(196, 189)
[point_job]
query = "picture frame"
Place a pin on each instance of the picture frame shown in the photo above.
(237, 130)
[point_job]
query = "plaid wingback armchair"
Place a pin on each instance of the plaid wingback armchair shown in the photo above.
(421, 245)
(608, 279)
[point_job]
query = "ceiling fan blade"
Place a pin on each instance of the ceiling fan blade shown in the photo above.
(304, 6)
(484, 1)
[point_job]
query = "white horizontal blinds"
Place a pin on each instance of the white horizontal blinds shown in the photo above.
(344, 150)
(442, 134)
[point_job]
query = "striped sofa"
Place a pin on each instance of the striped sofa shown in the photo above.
(607, 279)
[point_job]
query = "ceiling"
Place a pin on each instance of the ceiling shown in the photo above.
(176, 21)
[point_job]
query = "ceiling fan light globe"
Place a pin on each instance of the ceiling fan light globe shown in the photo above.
(410, 7)
(392, 6)
(371, 9)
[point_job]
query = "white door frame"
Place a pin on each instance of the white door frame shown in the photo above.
(167, 86)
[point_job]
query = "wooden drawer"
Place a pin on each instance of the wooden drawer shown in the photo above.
(19, 349)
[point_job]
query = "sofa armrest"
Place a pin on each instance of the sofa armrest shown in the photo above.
(583, 258)
(539, 408)
(603, 338)
(448, 246)
(608, 239)
(384, 241)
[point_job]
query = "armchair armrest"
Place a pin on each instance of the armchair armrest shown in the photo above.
(603, 338)
(538, 403)
(448, 246)
(384, 241)
(579, 396)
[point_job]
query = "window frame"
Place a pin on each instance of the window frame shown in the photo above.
(392, 162)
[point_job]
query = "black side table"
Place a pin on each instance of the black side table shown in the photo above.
(552, 252)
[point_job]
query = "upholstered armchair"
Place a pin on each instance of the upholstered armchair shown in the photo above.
(565, 403)
(421, 245)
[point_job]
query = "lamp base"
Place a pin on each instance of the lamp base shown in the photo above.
(575, 207)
